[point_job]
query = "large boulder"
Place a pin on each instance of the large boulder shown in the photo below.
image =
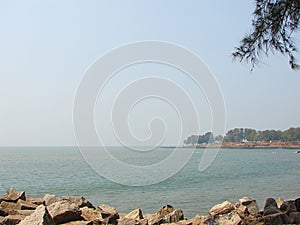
(36, 201)
(197, 220)
(128, 221)
(135, 215)
(247, 206)
(185, 221)
(12, 195)
(295, 217)
(64, 211)
(166, 214)
(250, 204)
(1, 220)
(277, 218)
(222, 208)
(154, 219)
(79, 201)
(40, 216)
(165, 210)
(25, 212)
(109, 214)
(297, 203)
(209, 220)
(174, 216)
(280, 202)
(93, 215)
(3, 212)
(270, 207)
(231, 218)
(81, 222)
(49, 199)
(20, 205)
(7, 212)
(12, 219)
(159, 217)
(288, 206)
(10, 205)
(26, 205)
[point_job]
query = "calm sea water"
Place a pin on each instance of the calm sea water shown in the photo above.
(235, 173)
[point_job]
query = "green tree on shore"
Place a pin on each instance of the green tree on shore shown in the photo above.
(250, 134)
(235, 135)
(270, 135)
(291, 134)
(246, 134)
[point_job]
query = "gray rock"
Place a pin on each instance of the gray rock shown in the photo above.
(165, 210)
(143, 222)
(129, 221)
(247, 206)
(109, 214)
(20, 212)
(1, 220)
(241, 209)
(270, 207)
(10, 212)
(185, 221)
(288, 206)
(79, 201)
(79, 223)
(36, 201)
(209, 220)
(64, 211)
(25, 212)
(93, 215)
(40, 216)
(26, 205)
(154, 219)
(49, 199)
(160, 216)
(280, 202)
(20, 205)
(295, 217)
(12, 219)
(277, 218)
(3, 212)
(231, 218)
(135, 215)
(9, 205)
(12, 195)
(166, 214)
(174, 216)
(197, 220)
(297, 203)
(222, 208)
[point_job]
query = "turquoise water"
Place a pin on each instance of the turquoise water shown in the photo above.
(235, 173)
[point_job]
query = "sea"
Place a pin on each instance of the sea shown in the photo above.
(235, 173)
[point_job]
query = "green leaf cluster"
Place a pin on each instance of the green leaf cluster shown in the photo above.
(273, 26)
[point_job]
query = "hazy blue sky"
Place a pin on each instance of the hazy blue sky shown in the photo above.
(46, 46)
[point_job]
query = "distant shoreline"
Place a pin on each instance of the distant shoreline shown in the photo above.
(250, 145)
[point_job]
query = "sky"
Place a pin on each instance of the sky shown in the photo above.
(48, 46)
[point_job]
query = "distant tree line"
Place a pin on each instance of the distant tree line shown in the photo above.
(246, 135)
(206, 138)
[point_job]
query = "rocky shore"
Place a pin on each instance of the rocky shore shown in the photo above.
(17, 208)
(263, 145)
(250, 145)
